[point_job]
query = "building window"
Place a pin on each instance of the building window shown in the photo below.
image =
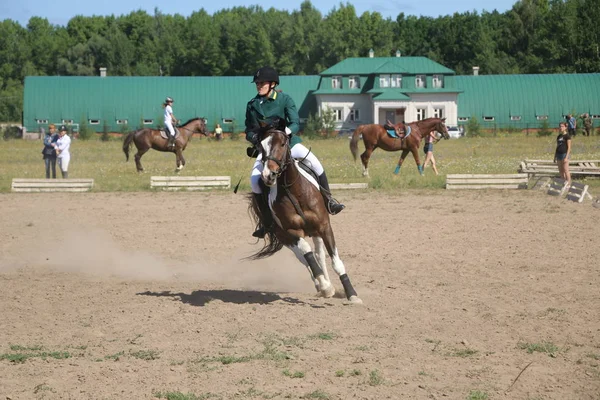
(94, 121)
(541, 117)
(354, 115)
(463, 119)
(67, 121)
(438, 81)
(488, 119)
(337, 114)
(336, 82)
(397, 80)
(438, 113)
(420, 81)
(121, 122)
(595, 116)
(42, 121)
(421, 114)
(227, 120)
(515, 117)
(148, 121)
(354, 82)
(384, 81)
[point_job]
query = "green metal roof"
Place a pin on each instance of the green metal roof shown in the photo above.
(387, 65)
(109, 99)
(527, 96)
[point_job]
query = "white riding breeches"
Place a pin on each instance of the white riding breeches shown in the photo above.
(169, 128)
(63, 162)
(299, 152)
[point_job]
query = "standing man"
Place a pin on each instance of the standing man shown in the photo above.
(571, 125)
(62, 147)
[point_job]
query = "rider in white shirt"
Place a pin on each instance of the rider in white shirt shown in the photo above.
(169, 121)
(62, 146)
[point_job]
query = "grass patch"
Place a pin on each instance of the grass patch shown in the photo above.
(323, 336)
(145, 354)
(115, 356)
(340, 373)
(22, 357)
(317, 394)
(355, 372)
(375, 378)
(463, 353)
(289, 374)
(105, 161)
(184, 396)
(477, 395)
(544, 347)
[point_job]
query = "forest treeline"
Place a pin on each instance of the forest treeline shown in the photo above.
(535, 36)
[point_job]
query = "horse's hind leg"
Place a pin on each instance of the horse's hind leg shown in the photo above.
(364, 157)
(340, 269)
(138, 159)
(304, 253)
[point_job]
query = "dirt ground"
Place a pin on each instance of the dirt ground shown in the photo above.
(467, 294)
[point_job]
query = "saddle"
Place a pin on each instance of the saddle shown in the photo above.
(165, 135)
(400, 130)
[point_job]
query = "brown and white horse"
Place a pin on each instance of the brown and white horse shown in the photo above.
(300, 212)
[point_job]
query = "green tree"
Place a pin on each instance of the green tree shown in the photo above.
(473, 127)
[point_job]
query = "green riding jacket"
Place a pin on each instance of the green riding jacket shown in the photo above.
(264, 109)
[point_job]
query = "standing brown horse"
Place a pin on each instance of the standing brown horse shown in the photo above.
(299, 209)
(148, 138)
(375, 136)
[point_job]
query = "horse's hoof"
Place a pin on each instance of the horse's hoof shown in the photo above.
(328, 292)
(354, 300)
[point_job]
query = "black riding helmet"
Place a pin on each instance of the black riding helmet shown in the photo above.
(266, 74)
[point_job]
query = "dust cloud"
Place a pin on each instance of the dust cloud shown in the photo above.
(96, 253)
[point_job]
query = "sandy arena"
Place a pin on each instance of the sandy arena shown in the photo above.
(137, 295)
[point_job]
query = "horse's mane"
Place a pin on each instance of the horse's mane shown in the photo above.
(187, 122)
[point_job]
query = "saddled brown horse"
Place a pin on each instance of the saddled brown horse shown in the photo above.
(148, 138)
(375, 136)
(299, 209)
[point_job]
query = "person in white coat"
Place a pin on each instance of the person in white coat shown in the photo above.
(62, 147)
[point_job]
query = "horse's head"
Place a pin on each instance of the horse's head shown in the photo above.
(202, 126)
(196, 125)
(441, 128)
(275, 154)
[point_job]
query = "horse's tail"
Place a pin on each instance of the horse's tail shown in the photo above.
(127, 143)
(272, 243)
(354, 141)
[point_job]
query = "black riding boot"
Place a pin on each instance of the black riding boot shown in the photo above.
(266, 217)
(171, 143)
(333, 206)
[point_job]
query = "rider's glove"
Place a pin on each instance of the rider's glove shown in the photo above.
(255, 138)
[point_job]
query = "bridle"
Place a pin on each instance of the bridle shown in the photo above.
(284, 161)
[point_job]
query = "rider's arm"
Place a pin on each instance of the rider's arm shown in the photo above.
(291, 114)
(251, 122)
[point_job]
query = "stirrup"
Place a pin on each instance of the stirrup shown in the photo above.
(334, 207)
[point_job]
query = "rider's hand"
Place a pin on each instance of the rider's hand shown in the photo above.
(255, 138)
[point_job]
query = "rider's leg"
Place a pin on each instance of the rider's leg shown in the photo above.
(171, 134)
(302, 153)
(265, 217)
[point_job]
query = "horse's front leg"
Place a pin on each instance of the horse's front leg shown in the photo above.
(400, 161)
(304, 253)
(415, 153)
(320, 255)
(178, 160)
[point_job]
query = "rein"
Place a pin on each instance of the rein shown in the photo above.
(283, 164)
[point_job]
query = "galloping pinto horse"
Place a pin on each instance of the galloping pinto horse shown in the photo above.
(148, 138)
(299, 210)
(375, 136)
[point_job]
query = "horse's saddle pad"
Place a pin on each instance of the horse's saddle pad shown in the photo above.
(304, 170)
(164, 134)
(392, 132)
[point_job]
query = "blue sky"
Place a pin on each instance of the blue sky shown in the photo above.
(60, 11)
